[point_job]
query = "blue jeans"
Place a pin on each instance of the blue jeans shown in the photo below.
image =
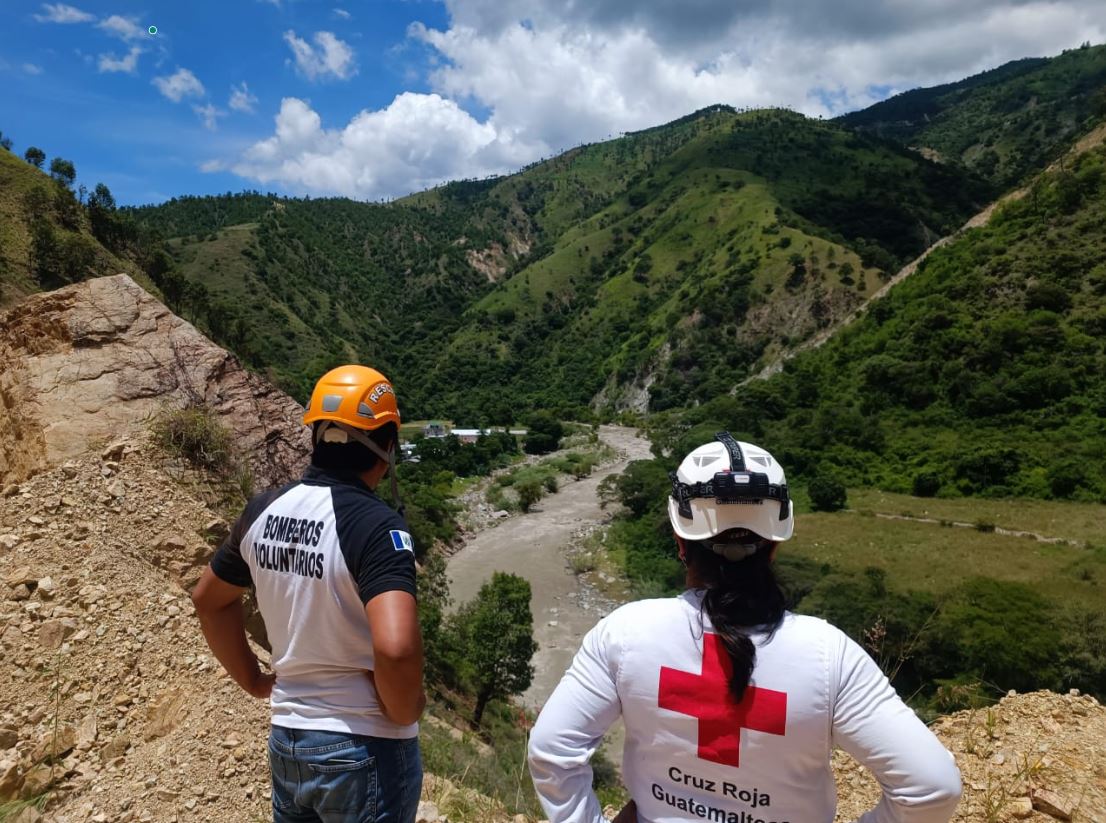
(334, 777)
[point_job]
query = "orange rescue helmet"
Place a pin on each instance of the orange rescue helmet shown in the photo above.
(354, 395)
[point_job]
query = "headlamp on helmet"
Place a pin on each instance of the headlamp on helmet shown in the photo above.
(735, 485)
(724, 485)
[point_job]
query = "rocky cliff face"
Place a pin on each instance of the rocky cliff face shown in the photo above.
(90, 362)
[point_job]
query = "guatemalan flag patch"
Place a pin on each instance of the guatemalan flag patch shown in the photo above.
(401, 541)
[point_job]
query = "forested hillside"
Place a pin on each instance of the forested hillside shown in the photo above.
(764, 228)
(983, 373)
(51, 235)
(652, 272)
(649, 272)
(1003, 124)
(297, 286)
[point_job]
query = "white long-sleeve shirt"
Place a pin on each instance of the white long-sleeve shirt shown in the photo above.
(693, 753)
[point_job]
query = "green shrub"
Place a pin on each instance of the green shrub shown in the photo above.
(827, 494)
(1000, 632)
(195, 434)
(529, 493)
(926, 484)
(583, 562)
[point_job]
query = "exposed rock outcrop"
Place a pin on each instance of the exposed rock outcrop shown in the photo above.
(84, 364)
(1039, 757)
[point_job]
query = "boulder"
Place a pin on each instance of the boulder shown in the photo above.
(54, 746)
(92, 362)
(10, 779)
(8, 738)
(217, 530)
(1052, 804)
(165, 713)
(52, 633)
(1020, 807)
(117, 747)
(114, 452)
(38, 780)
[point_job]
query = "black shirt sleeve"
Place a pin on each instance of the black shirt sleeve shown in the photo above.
(376, 544)
(228, 563)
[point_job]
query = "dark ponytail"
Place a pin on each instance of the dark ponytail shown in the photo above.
(741, 596)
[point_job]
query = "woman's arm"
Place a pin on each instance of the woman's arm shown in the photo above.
(568, 731)
(920, 781)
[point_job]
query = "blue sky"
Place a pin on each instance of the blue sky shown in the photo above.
(120, 129)
(376, 98)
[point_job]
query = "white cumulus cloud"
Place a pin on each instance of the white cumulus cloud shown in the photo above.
(546, 76)
(182, 83)
(109, 63)
(208, 115)
(343, 14)
(329, 57)
(418, 141)
(241, 99)
(61, 13)
(125, 28)
(32, 69)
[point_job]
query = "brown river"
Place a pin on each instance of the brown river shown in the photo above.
(533, 546)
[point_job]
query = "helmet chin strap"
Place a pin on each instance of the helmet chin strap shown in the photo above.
(388, 457)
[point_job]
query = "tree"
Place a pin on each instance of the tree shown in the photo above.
(827, 494)
(433, 600)
(5, 142)
(35, 156)
(63, 171)
(543, 434)
(644, 485)
(101, 214)
(1002, 632)
(101, 198)
(498, 632)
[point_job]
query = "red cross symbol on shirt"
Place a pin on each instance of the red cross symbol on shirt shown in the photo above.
(721, 718)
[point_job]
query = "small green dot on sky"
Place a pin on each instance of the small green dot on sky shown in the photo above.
(153, 29)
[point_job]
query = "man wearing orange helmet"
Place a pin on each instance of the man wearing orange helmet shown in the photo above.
(334, 572)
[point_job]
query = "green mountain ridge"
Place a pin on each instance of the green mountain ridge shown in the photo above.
(674, 257)
(1005, 123)
(982, 373)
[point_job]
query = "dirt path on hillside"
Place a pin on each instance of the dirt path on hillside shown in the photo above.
(533, 546)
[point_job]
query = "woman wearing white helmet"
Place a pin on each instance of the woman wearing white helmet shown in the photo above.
(732, 705)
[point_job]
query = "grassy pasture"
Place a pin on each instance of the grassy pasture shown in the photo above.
(1069, 521)
(935, 558)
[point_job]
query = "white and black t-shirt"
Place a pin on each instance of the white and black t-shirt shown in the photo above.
(317, 551)
(694, 753)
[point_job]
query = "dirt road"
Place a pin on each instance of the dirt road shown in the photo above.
(533, 546)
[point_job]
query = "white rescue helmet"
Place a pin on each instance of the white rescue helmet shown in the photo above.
(728, 484)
